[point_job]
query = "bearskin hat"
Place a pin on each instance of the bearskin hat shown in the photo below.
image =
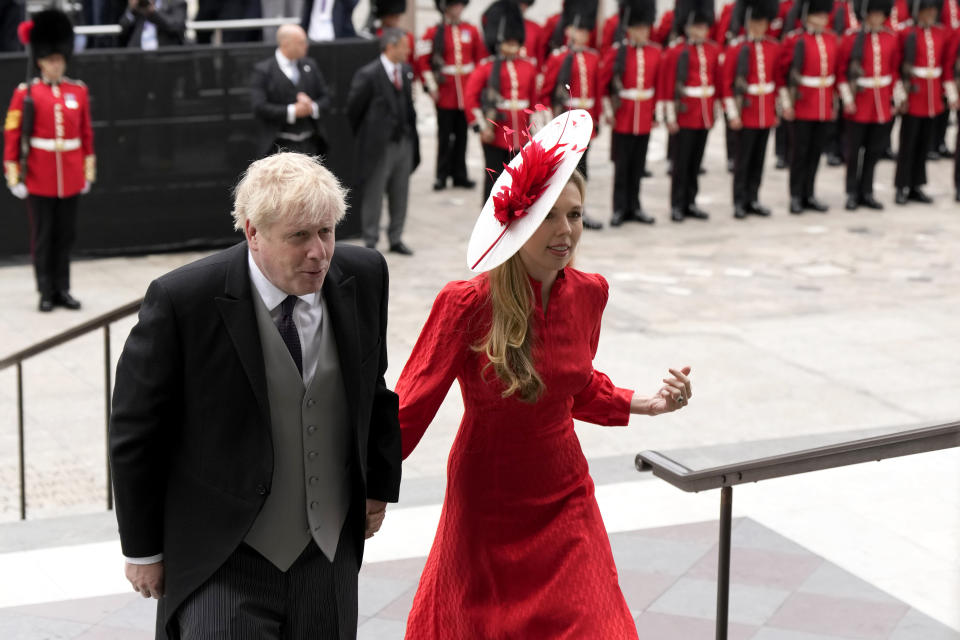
(759, 9)
(693, 12)
(819, 6)
(382, 8)
(582, 13)
(634, 12)
(863, 7)
(52, 33)
(442, 4)
(502, 21)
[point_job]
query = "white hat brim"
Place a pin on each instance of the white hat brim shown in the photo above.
(572, 129)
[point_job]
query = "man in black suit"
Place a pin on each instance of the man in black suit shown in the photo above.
(328, 19)
(253, 441)
(150, 24)
(380, 109)
(289, 97)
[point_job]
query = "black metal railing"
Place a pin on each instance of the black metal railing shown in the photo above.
(100, 322)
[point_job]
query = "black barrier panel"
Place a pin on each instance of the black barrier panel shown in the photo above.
(173, 131)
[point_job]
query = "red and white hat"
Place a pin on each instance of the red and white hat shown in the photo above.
(527, 189)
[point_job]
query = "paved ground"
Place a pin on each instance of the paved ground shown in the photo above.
(813, 326)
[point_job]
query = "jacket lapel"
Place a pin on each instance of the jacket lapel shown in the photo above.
(236, 309)
(340, 292)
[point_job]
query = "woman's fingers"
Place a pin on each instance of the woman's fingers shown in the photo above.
(682, 375)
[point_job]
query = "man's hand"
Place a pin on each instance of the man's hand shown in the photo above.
(376, 510)
(788, 114)
(673, 127)
(487, 135)
(736, 124)
(147, 579)
(302, 109)
(850, 108)
(19, 190)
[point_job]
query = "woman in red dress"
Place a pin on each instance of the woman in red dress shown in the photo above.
(521, 550)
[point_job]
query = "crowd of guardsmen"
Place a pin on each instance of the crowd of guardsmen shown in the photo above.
(829, 77)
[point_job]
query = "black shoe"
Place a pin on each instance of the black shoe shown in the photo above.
(642, 217)
(957, 197)
(402, 249)
(917, 195)
(647, 173)
(466, 183)
(888, 154)
(693, 211)
(757, 209)
(933, 155)
(901, 197)
(65, 300)
(46, 304)
(796, 205)
(701, 171)
(944, 152)
(781, 162)
(676, 214)
(815, 205)
(834, 160)
(617, 218)
(870, 202)
(739, 211)
(729, 166)
(439, 185)
(590, 223)
(669, 168)
(852, 203)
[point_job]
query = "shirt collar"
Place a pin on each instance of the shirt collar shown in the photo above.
(284, 61)
(271, 294)
(387, 64)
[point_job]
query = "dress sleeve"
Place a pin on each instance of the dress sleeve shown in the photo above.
(435, 361)
(600, 402)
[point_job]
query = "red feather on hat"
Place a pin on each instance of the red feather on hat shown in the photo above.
(23, 32)
(530, 179)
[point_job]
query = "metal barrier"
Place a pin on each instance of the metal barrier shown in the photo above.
(203, 25)
(100, 322)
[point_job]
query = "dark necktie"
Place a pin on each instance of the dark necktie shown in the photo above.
(397, 82)
(288, 331)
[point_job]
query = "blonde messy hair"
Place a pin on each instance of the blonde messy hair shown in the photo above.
(287, 186)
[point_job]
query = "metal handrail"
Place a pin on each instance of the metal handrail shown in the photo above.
(16, 359)
(201, 25)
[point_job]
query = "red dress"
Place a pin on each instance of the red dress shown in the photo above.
(521, 550)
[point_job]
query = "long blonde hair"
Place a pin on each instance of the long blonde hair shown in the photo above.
(508, 345)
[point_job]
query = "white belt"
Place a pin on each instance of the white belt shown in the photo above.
(817, 82)
(636, 94)
(875, 82)
(699, 92)
(454, 70)
(761, 89)
(927, 72)
(51, 144)
(580, 103)
(513, 105)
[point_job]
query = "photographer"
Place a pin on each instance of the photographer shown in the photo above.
(149, 24)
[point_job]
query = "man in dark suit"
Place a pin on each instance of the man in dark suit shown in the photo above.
(289, 97)
(328, 19)
(380, 109)
(253, 441)
(150, 24)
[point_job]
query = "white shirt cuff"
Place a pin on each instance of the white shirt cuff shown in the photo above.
(316, 111)
(291, 115)
(149, 560)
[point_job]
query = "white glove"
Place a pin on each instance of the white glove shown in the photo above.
(19, 190)
(86, 187)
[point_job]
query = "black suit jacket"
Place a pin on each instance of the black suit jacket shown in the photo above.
(170, 20)
(271, 91)
(373, 108)
(342, 17)
(190, 438)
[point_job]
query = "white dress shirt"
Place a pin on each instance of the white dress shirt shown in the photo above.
(391, 68)
(292, 71)
(307, 315)
(321, 21)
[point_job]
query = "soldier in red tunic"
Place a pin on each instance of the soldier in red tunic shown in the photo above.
(501, 91)
(924, 53)
(806, 76)
(687, 89)
(950, 19)
(446, 56)
(628, 80)
(48, 154)
(952, 86)
(749, 97)
(867, 72)
(533, 35)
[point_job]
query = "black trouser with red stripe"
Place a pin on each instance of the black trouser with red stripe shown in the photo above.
(808, 139)
(751, 150)
(629, 160)
(865, 142)
(494, 158)
(451, 145)
(53, 224)
(688, 147)
(915, 135)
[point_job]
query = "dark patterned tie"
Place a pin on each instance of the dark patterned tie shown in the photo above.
(288, 331)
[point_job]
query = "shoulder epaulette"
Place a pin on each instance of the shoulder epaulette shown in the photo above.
(736, 42)
(35, 81)
(21, 86)
(79, 83)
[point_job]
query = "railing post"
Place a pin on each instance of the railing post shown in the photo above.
(723, 562)
(107, 393)
(23, 473)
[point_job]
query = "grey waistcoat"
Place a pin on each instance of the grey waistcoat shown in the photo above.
(310, 492)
